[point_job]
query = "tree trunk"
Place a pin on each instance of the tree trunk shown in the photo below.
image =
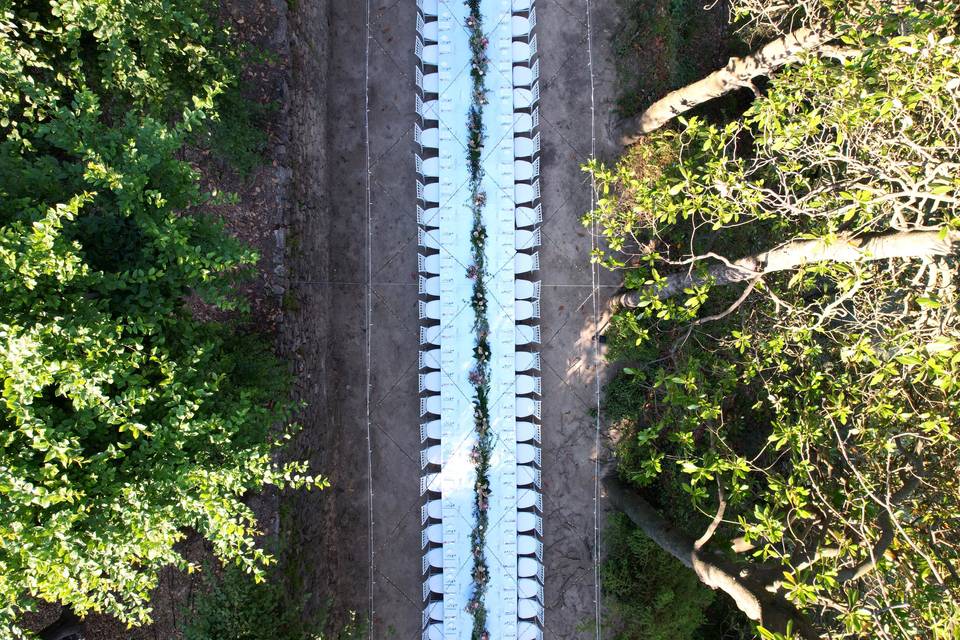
(738, 73)
(752, 599)
(68, 626)
(902, 244)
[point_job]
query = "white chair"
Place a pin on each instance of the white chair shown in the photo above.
(523, 309)
(431, 31)
(529, 545)
(527, 475)
(434, 533)
(529, 608)
(429, 264)
(520, 27)
(429, 482)
(429, 7)
(522, 98)
(529, 567)
(527, 431)
(429, 83)
(429, 359)
(430, 455)
(527, 360)
(525, 147)
(430, 310)
(525, 122)
(527, 407)
(431, 192)
(428, 239)
(429, 54)
(526, 521)
(522, 52)
(430, 381)
(527, 334)
(428, 192)
(526, 216)
(429, 217)
(434, 584)
(525, 262)
(433, 632)
(432, 510)
(527, 453)
(430, 335)
(429, 138)
(429, 168)
(434, 558)
(526, 239)
(433, 614)
(429, 286)
(430, 404)
(428, 110)
(523, 171)
(529, 631)
(529, 588)
(527, 384)
(526, 289)
(524, 76)
(521, 5)
(522, 192)
(527, 499)
(432, 431)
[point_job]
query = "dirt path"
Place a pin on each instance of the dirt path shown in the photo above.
(576, 89)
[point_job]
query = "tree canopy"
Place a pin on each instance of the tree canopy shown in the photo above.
(127, 419)
(811, 409)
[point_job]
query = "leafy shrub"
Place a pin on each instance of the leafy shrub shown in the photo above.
(654, 596)
(235, 606)
(662, 45)
(125, 418)
(237, 136)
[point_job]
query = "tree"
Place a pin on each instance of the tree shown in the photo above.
(812, 408)
(804, 28)
(127, 420)
(738, 73)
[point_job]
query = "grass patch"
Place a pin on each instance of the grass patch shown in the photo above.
(662, 45)
(232, 605)
(655, 597)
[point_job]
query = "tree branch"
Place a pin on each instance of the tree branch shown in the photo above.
(795, 254)
(770, 610)
(738, 72)
(886, 537)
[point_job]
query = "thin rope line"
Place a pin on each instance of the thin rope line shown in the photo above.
(369, 311)
(594, 278)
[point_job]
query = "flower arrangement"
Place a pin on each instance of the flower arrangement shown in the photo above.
(479, 376)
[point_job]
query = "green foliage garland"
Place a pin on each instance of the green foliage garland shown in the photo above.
(480, 375)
